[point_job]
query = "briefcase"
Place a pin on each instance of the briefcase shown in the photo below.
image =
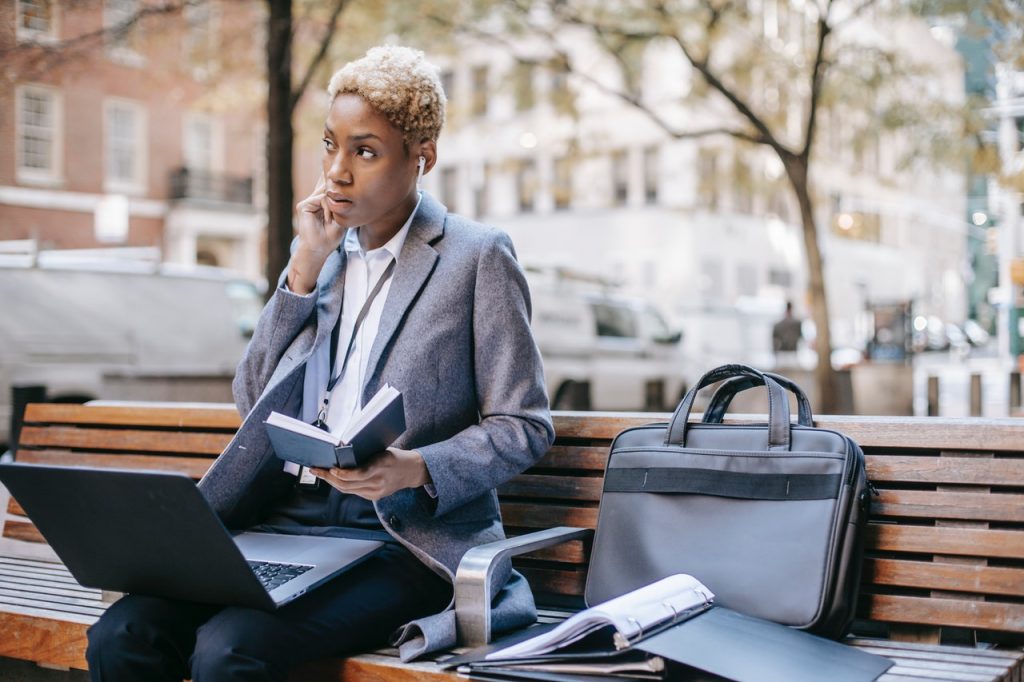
(770, 517)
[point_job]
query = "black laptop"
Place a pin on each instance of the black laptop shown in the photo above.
(154, 533)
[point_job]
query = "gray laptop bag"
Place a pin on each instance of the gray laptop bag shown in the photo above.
(769, 516)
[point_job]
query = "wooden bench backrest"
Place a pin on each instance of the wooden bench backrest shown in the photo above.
(945, 547)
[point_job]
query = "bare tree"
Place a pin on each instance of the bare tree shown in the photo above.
(282, 100)
(716, 39)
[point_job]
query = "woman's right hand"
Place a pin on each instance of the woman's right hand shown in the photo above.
(319, 235)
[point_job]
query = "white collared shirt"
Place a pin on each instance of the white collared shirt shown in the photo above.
(363, 270)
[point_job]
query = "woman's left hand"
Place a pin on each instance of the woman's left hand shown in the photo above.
(386, 473)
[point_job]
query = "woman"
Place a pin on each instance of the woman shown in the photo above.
(448, 325)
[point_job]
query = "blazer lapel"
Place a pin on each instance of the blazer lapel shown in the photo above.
(415, 264)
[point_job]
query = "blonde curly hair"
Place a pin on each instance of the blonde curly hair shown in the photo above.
(399, 83)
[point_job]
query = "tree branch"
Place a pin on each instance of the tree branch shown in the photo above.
(817, 79)
(765, 135)
(634, 101)
(325, 43)
(854, 13)
(49, 54)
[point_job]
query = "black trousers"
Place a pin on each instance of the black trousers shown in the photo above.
(151, 639)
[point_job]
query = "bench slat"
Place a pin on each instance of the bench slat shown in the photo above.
(47, 640)
(522, 515)
(212, 416)
(571, 552)
(553, 487)
(969, 506)
(372, 668)
(962, 662)
(946, 576)
(964, 471)
(943, 433)
(14, 508)
(923, 672)
(117, 439)
(914, 648)
(1006, 544)
(194, 467)
(51, 598)
(967, 613)
(553, 581)
(28, 585)
(22, 530)
(574, 457)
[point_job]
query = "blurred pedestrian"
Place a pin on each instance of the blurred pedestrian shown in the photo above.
(786, 336)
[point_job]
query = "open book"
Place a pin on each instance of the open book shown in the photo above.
(626, 619)
(370, 430)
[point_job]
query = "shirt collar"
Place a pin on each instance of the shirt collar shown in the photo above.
(393, 245)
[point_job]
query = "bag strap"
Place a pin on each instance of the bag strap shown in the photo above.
(722, 397)
(778, 406)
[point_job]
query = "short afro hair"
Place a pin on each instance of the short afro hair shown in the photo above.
(399, 83)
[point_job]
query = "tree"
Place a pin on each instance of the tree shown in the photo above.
(282, 100)
(736, 66)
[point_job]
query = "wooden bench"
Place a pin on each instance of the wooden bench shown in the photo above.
(945, 554)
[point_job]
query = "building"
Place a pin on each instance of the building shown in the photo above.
(701, 225)
(1006, 197)
(127, 140)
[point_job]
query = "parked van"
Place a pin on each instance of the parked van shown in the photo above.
(121, 330)
(603, 350)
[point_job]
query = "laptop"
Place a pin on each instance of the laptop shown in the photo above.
(154, 533)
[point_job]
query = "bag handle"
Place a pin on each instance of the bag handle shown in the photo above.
(722, 398)
(778, 406)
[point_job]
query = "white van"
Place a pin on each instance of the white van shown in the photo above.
(121, 330)
(602, 350)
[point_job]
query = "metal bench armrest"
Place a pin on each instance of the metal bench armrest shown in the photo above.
(473, 578)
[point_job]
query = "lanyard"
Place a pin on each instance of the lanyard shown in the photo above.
(321, 417)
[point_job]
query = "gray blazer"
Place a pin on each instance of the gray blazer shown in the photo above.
(455, 338)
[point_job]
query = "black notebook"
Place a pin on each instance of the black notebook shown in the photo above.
(371, 430)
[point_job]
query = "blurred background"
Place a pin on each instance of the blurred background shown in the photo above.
(831, 189)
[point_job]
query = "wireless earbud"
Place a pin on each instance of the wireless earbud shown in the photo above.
(419, 173)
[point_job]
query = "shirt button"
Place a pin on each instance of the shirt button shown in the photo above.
(395, 522)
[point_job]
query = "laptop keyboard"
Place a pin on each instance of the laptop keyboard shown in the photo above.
(273, 574)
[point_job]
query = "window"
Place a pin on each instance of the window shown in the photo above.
(199, 142)
(523, 82)
(620, 177)
(482, 188)
(122, 17)
(449, 187)
(39, 119)
(651, 168)
(743, 186)
(526, 185)
(562, 189)
(561, 98)
(746, 280)
(614, 321)
(479, 103)
(448, 83)
(707, 179)
(712, 283)
(125, 137)
(780, 278)
(36, 20)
